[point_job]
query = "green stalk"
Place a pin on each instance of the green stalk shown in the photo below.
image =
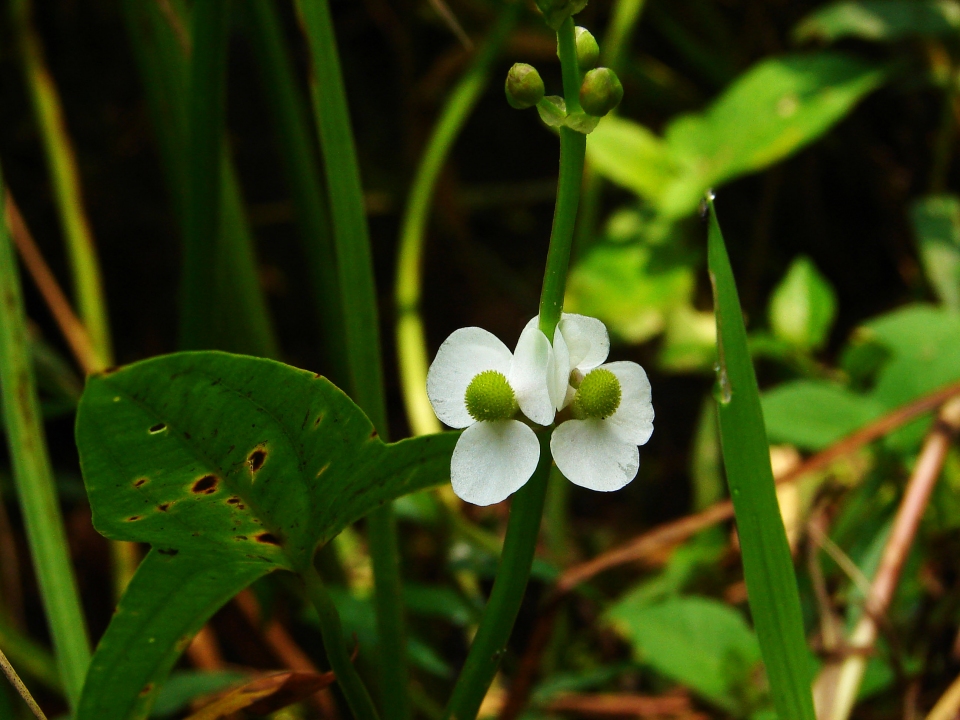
(500, 613)
(336, 648)
(34, 480)
(206, 107)
(62, 165)
(298, 155)
(526, 508)
(573, 145)
(411, 339)
(767, 565)
(359, 300)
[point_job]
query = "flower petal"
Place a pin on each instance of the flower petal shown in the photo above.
(533, 363)
(587, 340)
(591, 455)
(633, 420)
(493, 460)
(465, 354)
(559, 379)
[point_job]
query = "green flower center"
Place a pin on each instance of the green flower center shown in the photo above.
(490, 397)
(598, 395)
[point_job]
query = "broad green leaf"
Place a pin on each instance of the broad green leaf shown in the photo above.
(880, 20)
(231, 467)
(701, 643)
(813, 414)
(767, 564)
(936, 226)
(770, 112)
(924, 345)
(803, 306)
(631, 287)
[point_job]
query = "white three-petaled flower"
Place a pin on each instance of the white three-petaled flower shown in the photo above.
(494, 457)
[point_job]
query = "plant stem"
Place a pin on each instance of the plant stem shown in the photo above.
(359, 298)
(336, 648)
(573, 146)
(411, 341)
(500, 613)
(34, 480)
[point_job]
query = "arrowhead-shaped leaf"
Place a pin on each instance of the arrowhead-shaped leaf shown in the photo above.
(230, 467)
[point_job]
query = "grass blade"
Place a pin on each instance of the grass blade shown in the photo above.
(767, 565)
(359, 297)
(34, 480)
(411, 341)
(298, 155)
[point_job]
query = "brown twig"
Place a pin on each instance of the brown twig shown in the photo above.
(283, 646)
(73, 330)
(18, 685)
(204, 650)
(677, 531)
(836, 691)
(623, 705)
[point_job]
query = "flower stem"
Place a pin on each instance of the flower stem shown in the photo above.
(573, 146)
(509, 586)
(336, 647)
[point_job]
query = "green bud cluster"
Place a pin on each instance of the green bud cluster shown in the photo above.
(524, 87)
(490, 397)
(598, 395)
(600, 91)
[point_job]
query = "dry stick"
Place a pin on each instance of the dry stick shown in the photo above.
(204, 650)
(73, 330)
(677, 531)
(623, 705)
(839, 697)
(283, 646)
(21, 689)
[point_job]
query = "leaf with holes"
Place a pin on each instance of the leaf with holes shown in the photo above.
(230, 467)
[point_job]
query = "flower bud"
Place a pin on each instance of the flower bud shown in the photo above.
(556, 11)
(588, 51)
(600, 92)
(523, 87)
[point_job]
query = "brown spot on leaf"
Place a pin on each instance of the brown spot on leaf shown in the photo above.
(233, 500)
(168, 551)
(141, 482)
(317, 375)
(374, 434)
(186, 435)
(163, 507)
(147, 689)
(318, 420)
(240, 537)
(257, 458)
(206, 485)
(134, 518)
(268, 538)
(159, 427)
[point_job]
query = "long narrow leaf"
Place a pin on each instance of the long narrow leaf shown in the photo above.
(34, 479)
(767, 565)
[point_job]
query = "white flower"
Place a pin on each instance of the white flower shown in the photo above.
(614, 412)
(476, 383)
(580, 344)
(613, 408)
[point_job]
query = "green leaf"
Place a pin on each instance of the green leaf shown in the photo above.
(185, 686)
(767, 564)
(231, 467)
(803, 306)
(770, 112)
(631, 287)
(813, 414)
(881, 20)
(936, 226)
(702, 643)
(767, 114)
